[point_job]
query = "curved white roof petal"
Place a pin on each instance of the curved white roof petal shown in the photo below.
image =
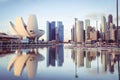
(12, 28)
(30, 30)
(32, 25)
(40, 33)
(21, 27)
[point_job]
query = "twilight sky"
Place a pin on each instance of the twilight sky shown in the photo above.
(56, 10)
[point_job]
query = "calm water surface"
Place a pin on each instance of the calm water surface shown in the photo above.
(59, 63)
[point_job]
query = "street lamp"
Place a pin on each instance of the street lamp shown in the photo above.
(117, 21)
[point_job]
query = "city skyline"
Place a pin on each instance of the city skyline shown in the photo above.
(54, 10)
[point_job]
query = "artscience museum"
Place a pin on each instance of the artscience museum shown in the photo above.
(29, 30)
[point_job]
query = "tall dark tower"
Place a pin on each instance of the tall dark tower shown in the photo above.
(110, 20)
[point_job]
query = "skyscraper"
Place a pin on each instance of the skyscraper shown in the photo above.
(79, 31)
(110, 20)
(87, 23)
(50, 31)
(72, 33)
(60, 31)
(53, 30)
(104, 24)
(103, 27)
(112, 32)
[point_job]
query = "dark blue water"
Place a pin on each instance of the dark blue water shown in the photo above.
(60, 63)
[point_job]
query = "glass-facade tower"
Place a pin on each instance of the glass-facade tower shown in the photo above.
(60, 31)
(50, 31)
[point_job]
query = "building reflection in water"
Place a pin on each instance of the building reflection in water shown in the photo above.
(104, 60)
(78, 58)
(107, 60)
(55, 53)
(25, 58)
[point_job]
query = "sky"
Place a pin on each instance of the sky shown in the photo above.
(56, 10)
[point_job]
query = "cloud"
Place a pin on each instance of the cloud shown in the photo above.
(95, 15)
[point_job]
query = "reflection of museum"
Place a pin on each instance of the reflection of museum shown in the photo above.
(25, 59)
(107, 59)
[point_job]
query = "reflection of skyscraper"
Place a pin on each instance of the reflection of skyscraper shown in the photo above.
(60, 55)
(55, 53)
(88, 62)
(104, 60)
(51, 56)
(78, 57)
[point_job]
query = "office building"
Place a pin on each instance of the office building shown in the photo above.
(103, 27)
(110, 20)
(112, 32)
(51, 31)
(79, 31)
(55, 33)
(72, 33)
(93, 35)
(87, 23)
(60, 31)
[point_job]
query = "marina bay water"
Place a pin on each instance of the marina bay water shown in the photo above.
(60, 63)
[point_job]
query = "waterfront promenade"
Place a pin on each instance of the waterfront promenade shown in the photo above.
(68, 45)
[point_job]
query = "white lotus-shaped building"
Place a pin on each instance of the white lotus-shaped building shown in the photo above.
(29, 30)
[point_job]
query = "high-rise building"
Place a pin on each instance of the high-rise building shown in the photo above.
(103, 27)
(72, 34)
(103, 24)
(93, 35)
(112, 32)
(87, 23)
(60, 31)
(50, 31)
(53, 30)
(79, 31)
(110, 20)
